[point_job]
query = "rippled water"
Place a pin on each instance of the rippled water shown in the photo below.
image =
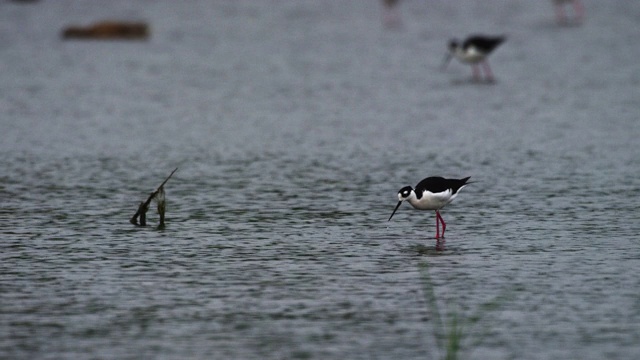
(293, 125)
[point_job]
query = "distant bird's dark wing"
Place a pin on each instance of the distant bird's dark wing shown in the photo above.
(486, 44)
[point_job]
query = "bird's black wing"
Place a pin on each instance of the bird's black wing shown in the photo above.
(436, 184)
(486, 44)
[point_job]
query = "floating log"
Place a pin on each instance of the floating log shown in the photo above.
(159, 195)
(108, 30)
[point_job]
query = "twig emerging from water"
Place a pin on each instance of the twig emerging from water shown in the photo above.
(159, 195)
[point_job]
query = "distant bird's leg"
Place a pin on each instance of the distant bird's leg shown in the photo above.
(476, 71)
(579, 8)
(391, 19)
(487, 71)
(560, 15)
(391, 15)
(437, 226)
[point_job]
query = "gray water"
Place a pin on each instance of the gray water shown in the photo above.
(294, 124)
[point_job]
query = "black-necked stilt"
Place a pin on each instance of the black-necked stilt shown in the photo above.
(432, 193)
(474, 50)
(391, 15)
(561, 16)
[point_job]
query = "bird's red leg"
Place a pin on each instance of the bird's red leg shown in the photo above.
(444, 226)
(487, 72)
(438, 221)
(391, 17)
(579, 8)
(560, 16)
(475, 71)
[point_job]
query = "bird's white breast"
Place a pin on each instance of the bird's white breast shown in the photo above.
(470, 55)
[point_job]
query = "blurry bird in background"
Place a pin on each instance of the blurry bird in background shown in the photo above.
(474, 51)
(561, 16)
(391, 14)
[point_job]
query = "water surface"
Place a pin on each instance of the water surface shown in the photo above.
(293, 125)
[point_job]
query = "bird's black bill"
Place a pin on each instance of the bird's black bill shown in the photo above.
(394, 210)
(447, 58)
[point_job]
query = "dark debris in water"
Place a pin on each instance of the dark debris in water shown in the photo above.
(159, 196)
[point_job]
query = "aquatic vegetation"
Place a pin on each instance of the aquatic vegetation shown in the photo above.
(450, 336)
(159, 196)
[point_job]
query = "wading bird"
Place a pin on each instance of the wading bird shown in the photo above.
(561, 16)
(474, 50)
(432, 193)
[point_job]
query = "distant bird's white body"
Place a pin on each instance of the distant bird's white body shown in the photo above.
(471, 55)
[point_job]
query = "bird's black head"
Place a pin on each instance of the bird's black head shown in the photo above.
(453, 45)
(404, 193)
